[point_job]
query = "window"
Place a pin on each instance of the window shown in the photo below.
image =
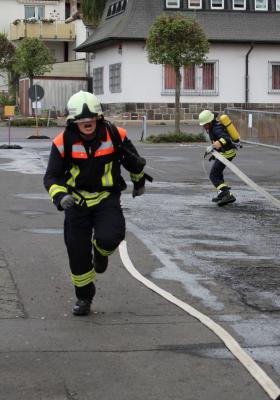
(172, 3)
(115, 78)
(194, 3)
(261, 5)
(196, 80)
(37, 12)
(116, 8)
(239, 4)
(277, 5)
(97, 80)
(274, 77)
(215, 4)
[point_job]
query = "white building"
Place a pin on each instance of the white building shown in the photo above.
(242, 68)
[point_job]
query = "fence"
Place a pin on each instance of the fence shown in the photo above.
(257, 126)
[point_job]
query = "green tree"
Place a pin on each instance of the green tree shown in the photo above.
(7, 51)
(32, 58)
(92, 11)
(177, 41)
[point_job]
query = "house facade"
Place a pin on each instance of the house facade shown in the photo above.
(43, 19)
(242, 67)
(51, 22)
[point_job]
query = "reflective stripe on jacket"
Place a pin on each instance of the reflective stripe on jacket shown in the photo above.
(90, 170)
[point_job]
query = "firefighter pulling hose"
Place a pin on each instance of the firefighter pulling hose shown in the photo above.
(213, 128)
(83, 179)
(221, 142)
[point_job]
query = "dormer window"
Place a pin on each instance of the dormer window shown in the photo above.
(172, 3)
(261, 5)
(117, 7)
(217, 4)
(239, 4)
(195, 4)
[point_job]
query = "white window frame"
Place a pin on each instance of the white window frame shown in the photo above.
(36, 9)
(198, 91)
(194, 7)
(277, 6)
(217, 7)
(270, 89)
(237, 7)
(172, 3)
(262, 8)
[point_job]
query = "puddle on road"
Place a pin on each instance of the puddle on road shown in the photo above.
(25, 162)
(169, 228)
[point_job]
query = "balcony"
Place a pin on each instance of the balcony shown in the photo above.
(48, 31)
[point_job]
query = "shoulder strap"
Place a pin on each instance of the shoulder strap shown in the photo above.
(114, 134)
(67, 147)
(69, 138)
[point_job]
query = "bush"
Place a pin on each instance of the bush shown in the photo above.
(173, 137)
(31, 122)
(6, 99)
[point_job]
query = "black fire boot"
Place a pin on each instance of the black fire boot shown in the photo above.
(221, 194)
(227, 198)
(82, 307)
(218, 197)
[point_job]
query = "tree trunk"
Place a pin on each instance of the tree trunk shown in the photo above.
(31, 101)
(177, 99)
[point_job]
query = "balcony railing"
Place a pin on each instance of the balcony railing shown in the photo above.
(51, 31)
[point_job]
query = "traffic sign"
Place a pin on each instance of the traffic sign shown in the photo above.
(36, 92)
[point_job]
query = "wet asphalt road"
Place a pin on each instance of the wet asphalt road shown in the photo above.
(135, 345)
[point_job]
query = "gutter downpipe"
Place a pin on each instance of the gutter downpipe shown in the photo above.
(247, 75)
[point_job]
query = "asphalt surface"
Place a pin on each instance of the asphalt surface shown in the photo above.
(135, 344)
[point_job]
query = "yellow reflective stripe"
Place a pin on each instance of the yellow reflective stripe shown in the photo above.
(107, 179)
(136, 177)
(228, 153)
(84, 279)
(221, 186)
(89, 195)
(102, 251)
(94, 202)
(74, 171)
(222, 140)
(90, 199)
(54, 189)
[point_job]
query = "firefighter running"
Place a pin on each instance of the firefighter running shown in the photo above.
(222, 142)
(83, 178)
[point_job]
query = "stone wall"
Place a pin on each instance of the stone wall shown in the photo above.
(166, 111)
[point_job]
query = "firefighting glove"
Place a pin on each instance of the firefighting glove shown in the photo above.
(67, 202)
(138, 192)
(209, 150)
(238, 145)
(139, 187)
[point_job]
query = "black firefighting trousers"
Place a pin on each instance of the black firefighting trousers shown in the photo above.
(217, 173)
(105, 224)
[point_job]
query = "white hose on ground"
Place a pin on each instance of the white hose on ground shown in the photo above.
(245, 179)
